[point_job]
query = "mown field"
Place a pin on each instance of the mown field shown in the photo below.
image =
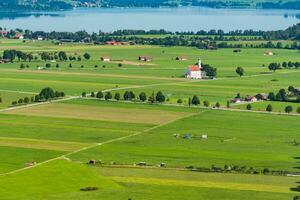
(59, 138)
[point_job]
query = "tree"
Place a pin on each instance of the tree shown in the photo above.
(269, 108)
(240, 71)
(291, 89)
(160, 97)
(195, 100)
(62, 56)
(14, 103)
(272, 96)
(117, 96)
(57, 66)
(249, 107)
(274, 66)
(179, 101)
(151, 98)
(142, 96)
(22, 66)
(298, 110)
(218, 105)
(210, 71)
(228, 104)
(26, 100)
(127, 96)
(132, 95)
(93, 94)
(99, 95)
(281, 95)
(0, 99)
(288, 109)
(70, 65)
(83, 94)
(284, 64)
(108, 96)
(190, 101)
(47, 93)
(87, 56)
(48, 65)
(206, 103)
(20, 101)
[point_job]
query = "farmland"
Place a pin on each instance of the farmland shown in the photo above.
(144, 149)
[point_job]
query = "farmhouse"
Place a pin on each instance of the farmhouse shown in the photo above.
(145, 58)
(105, 58)
(262, 96)
(236, 100)
(269, 53)
(3, 61)
(19, 36)
(195, 71)
(181, 58)
(251, 98)
(115, 43)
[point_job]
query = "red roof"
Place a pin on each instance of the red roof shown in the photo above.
(194, 68)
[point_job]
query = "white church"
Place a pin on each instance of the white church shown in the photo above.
(195, 71)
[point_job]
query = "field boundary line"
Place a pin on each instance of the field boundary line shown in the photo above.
(17, 91)
(64, 156)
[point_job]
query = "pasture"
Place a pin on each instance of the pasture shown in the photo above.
(59, 138)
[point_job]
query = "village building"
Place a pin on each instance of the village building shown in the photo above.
(105, 58)
(269, 53)
(261, 96)
(195, 71)
(18, 36)
(3, 33)
(115, 43)
(40, 38)
(236, 100)
(251, 98)
(145, 58)
(3, 61)
(181, 58)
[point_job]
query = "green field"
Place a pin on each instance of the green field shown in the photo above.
(60, 137)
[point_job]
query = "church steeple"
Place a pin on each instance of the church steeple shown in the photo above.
(199, 62)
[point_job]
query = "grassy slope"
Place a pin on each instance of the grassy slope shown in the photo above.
(75, 130)
(245, 139)
(62, 180)
(13, 158)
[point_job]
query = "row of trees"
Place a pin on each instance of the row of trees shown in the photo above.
(288, 109)
(289, 33)
(129, 96)
(291, 95)
(287, 65)
(12, 54)
(46, 94)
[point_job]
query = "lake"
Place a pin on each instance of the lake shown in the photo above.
(172, 19)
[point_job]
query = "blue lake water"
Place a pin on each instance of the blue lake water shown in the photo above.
(172, 19)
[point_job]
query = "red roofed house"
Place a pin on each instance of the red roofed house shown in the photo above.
(195, 71)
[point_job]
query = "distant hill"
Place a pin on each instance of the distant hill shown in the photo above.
(69, 4)
(35, 5)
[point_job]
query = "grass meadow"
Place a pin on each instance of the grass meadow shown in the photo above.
(61, 137)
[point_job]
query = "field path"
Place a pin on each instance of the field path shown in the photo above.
(99, 144)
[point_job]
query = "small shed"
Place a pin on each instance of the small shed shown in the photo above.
(105, 58)
(145, 58)
(204, 137)
(181, 58)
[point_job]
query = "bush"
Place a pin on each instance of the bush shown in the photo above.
(249, 107)
(86, 189)
(179, 101)
(99, 95)
(206, 103)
